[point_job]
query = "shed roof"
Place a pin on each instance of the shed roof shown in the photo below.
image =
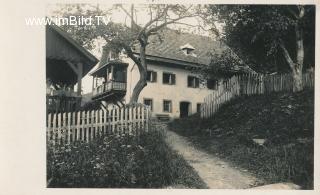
(61, 46)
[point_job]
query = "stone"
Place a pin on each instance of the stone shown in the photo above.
(259, 141)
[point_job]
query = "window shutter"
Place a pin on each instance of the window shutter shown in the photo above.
(196, 82)
(154, 76)
(173, 79)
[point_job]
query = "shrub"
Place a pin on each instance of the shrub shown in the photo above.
(118, 161)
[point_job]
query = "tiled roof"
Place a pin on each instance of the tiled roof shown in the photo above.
(170, 44)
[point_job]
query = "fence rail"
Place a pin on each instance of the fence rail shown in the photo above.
(65, 128)
(250, 84)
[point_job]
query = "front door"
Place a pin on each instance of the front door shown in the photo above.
(184, 109)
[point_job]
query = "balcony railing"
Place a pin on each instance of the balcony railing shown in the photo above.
(110, 86)
(61, 92)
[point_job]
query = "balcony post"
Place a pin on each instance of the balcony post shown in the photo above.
(112, 72)
(78, 70)
(79, 73)
(93, 82)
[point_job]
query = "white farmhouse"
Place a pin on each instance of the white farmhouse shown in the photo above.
(173, 89)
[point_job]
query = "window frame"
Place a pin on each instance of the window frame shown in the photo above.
(195, 84)
(215, 85)
(163, 106)
(152, 77)
(199, 110)
(170, 78)
(151, 99)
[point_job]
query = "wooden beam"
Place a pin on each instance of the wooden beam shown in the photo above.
(73, 67)
(79, 73)
(93, 82)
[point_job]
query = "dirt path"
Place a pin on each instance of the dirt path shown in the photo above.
(216, 173)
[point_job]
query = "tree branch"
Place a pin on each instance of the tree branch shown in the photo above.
(155, 29)
(129, 15)
(286, 54)
(157, 18)
(295, 15)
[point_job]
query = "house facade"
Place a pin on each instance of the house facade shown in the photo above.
(171, 90)
(173, 87)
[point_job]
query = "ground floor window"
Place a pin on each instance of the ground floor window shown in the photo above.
(167, 106)
(198, 107)
(148, 102)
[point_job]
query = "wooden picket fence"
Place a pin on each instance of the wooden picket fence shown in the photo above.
(250, 84)
(65, 128)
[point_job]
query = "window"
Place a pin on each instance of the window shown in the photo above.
(169, 78)
(193, 82)
(187, 49)
(112, 56)
(148, 102)
(198, 107)
(212, 84)
(152, 76)
(167, 106)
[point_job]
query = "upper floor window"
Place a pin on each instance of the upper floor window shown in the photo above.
(151, 76)
(212, 84)
(193, 82)
(113, 55)
(169, 78)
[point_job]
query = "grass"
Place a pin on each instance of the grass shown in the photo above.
(284, 120)
(120, 161)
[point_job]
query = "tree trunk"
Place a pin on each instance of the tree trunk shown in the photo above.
(296, 67)
(297, 80)
(137, 89)
(142, 66)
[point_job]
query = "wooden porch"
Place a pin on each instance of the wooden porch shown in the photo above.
(67, 63)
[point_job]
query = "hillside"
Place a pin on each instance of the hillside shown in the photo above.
(284, 122)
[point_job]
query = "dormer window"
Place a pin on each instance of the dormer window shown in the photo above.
(187, 49)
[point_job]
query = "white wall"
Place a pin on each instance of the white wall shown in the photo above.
(159, 91)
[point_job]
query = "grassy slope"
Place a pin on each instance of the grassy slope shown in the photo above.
(284, 120)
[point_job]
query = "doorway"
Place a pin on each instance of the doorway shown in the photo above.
(184, 109)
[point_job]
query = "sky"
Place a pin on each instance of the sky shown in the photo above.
(119, 16)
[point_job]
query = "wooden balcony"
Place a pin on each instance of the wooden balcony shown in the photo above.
(110, 90)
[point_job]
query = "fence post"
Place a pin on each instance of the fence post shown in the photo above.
(100, 123)
(73, 127)
(69, 128)
(130, 119)
(59, 128)
(113, 115)
(49, 129)
(134, 119)
(64, 128)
